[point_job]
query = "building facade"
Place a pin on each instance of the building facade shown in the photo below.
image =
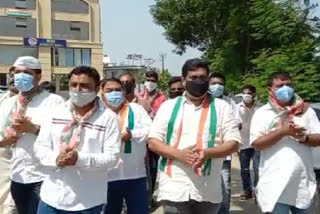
(61, 33)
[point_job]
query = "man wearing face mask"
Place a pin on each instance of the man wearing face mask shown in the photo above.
(246, 109)
(176, 88)
(151, 98)
(192, 134)
(78, 144)
(129, 85)
(216, 89)
(7, 205)
(285, 130)
(127, 182)
(21, 119)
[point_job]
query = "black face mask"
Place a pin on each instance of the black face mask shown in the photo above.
(197, 88)
(174, 94)
(128, 87)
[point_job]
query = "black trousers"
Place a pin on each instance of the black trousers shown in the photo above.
(26, 196)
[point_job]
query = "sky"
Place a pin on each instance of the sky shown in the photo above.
(128, 27)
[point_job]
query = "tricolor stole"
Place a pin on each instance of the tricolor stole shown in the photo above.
(127, 110)
(205, 170)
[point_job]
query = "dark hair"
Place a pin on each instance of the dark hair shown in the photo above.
(218, 75)
(112, 79)
(174, 79)
(152, 74)
(38, 71)
(192, 65)
(250, 88)
(87, 70)
(128, 74)
(278, 75)
(48, 87)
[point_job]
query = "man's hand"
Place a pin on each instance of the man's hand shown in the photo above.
(125, 136)
(67, 156)
(200, 158)
(24, 125)
(188, 156)
(293, 130)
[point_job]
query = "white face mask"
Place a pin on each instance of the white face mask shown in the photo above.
(82, 98)
(150, 86)
(247, 98)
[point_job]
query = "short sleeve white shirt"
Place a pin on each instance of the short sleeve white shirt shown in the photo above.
(185, 184)
(132, 165)
(286, 169)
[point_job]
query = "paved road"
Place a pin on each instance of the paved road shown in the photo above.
(237, 206)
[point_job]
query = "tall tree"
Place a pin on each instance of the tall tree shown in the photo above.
(245, 39)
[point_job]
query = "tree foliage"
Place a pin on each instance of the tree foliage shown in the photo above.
(164, 78)
(247, 40)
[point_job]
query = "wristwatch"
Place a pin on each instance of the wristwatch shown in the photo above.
(304, 139)
(37, 130)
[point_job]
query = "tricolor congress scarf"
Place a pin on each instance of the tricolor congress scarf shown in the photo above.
(126, 110)
(165, 164)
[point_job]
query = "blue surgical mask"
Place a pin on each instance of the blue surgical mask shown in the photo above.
(284, 94)
(23, 82)
(114, 98)
(216, 90)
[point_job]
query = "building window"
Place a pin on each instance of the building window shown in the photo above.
(21, 23)
(70, 30)
(70, 6)
(70, 57)
(3, 81)
(13, 52)
(21, 4)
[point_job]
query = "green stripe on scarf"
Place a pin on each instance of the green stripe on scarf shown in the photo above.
(163, 161)
(128, 144)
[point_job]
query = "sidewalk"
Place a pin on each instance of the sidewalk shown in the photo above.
(237, 206)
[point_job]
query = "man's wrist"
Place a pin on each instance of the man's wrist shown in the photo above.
(36, 130)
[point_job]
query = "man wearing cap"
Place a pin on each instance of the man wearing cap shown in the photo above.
(6, 202)
(21, 119)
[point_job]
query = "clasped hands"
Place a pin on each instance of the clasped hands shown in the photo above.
(67, 157)
(295, 131)
(192, 156)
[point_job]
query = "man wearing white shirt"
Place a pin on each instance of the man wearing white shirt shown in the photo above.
(246, 109)
(217, 83)
(127, 181)
(78, 144)
(21, 119)
(7, 205)
(193, 133)
(284, 130)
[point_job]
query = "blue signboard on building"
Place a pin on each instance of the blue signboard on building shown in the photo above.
(41, 42)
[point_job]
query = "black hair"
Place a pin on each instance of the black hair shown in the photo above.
(48, 86)
(38, 71)
(174, 79)
(112, 79)
(128, 74)
(278, 75)
(250, 88)
(152, 74)
(218, 75)
(87, 70)
(192, 65)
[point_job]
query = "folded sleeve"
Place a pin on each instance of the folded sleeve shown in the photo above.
(159, 126)
(142, 125)
(258, 126)
(229, 126)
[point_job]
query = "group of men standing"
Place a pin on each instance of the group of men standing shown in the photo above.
(95, 151)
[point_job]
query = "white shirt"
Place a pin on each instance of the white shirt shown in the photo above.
(132, 165)
(24, 166)
(185, 184)
(84, 185)
(245, 117)
(286, 168)
(234, 113)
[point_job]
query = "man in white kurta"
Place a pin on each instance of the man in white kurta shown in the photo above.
(286, 177)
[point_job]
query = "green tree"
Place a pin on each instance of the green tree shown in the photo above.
(245, 39)
(164, 78)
